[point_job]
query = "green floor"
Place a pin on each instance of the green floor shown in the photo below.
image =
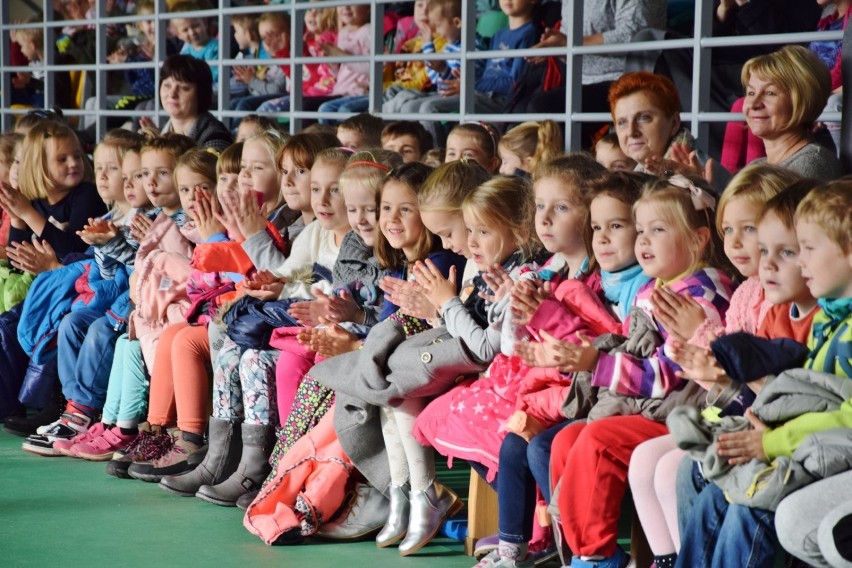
(67, 512)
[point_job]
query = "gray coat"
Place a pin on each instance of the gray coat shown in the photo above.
(389, 368)
(757, 484)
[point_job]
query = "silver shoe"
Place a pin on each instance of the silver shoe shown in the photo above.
(397, 524)
(429, 509)
(367, 512)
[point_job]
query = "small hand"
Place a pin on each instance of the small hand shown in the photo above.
(307, 313)
(499, 281)
(244, 73)
(13, 201)
(342, 307)
(334, 340)
(450, 87)
(408, 296)
(742, 447)
(246, 213)
(697, 364)
(149, 124)
(35, 257)
(264, 286)
(139, 226)
(205, 219)
(680, 315)
(435, 287)
(526, 297)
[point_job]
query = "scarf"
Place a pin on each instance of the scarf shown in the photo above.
(620, 288)
(837, 309)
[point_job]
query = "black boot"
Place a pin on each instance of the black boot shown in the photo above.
(223, 452)
(26, 426)
(253, 468)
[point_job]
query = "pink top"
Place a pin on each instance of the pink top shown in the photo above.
(746, 312)
(353, 79)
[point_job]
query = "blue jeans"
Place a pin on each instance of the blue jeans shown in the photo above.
(522, 466)
(251, 102)
(85, 350)
(690, 483)
(719, 534)
(350, 105)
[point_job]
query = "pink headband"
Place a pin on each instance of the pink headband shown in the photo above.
(382, 167)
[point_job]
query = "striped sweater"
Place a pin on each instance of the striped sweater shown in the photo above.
(655, 377)
(434, 76)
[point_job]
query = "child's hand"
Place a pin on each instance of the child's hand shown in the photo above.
(697, 364)
(139, 226)
(436, 288)
(340, 308)
(244, 73)
(408, 296)
(552, 352)
(307, 313)
(305, 336)
(35, 257)
(98, 232)
(450, 87)
(498, 281)
(526, 297)
(242, 208)
(334, 340)
(13, 201)
(742, 447)
(264, 286)
(550, 38)
(20, 80)
(679, 315)
(331, 50)
(206, 206)
(147, 123)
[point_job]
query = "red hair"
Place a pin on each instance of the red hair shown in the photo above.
(660, 88)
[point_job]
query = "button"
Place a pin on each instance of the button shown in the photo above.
(426, 357)
(437, 340)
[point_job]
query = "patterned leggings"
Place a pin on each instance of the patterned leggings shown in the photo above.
(244, 384)
(312, 401)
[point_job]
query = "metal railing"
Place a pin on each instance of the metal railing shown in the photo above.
(701, 45)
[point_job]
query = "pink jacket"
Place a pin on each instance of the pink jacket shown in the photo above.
(162, 265)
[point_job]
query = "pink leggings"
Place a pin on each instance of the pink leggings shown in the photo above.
(180, 383)
(294, 362)
(652, 473)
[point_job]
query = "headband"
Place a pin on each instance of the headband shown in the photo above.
(701, 200)
(488, 128)
(382, 167)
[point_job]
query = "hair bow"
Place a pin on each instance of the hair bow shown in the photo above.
(701, 200)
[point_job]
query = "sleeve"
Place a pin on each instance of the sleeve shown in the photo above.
(275, 83)
(500, 77)
(118, 249)
(784, 440)
(484, 344)
(632, 16)
(622, 373)
(263, 253)
(226, 256)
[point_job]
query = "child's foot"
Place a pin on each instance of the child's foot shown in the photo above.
(70, 425)
(618, 560)
(494, 560)
(142, 445)
(171, 461)
(67, 447)
(102, 448)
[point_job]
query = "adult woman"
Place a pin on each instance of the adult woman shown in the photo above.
(186, 94)
(645, 110)
(785, 93)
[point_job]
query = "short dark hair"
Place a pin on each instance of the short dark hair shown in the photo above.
(408, 128)
(188, 69)
(368, 126)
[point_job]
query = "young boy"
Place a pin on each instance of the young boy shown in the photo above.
(265, 83)
(407, 138)
(494, 85)
(30, 85)
(195, 35)
(361, 131)
(823, 223)
(247, 38)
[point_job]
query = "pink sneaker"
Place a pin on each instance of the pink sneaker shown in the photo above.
(102, 447)
(66, 447)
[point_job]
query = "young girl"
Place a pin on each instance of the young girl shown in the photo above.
(654, 463)
(527, 145)
(7, 158)
(320, 28)
(675, 248)
(474, 141)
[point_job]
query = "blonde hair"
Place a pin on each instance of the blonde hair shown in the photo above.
(799, 71)
(33, 177)
(830, 206)
(676, 206)
(336, 156)
(8, 142)
(412, 175)
(327, 18)
(229, 161)
(506, 202)
(539, 141)
(757, 184)
(369, 167)
(445, 189)
(272, 142)
(122, 141)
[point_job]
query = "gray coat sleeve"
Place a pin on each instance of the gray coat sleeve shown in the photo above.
(263, 252)
(275, 83)
(484, 344)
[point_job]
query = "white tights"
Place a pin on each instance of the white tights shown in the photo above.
(409, 461)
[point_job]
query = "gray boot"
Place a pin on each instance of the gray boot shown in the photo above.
(221, 461)
(251, 471)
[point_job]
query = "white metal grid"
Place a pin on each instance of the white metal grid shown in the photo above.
(700, 44)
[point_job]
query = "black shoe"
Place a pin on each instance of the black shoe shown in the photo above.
(24, 426)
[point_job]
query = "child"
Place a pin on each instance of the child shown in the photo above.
(476, 141)
(361, 131)
(674, 246)
(247, 38)
(822, 229)
(736, 222)
(527, 145)
(179, 377)
(195, 35)
(266, 83)
(30, 85)
(494, 86)
(608, 153)
(353, 38)
(7, 160)
(407, 138)
(320, 28)
(252, 124)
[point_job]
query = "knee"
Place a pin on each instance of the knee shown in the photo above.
(513, 451)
